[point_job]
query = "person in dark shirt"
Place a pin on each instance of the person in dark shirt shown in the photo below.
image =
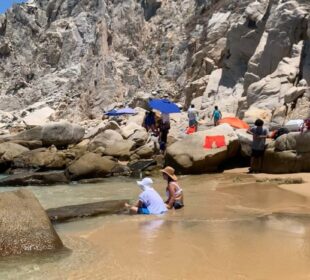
(149, 121)
(258, 145)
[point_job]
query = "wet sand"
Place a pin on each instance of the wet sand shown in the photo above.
(302, 189)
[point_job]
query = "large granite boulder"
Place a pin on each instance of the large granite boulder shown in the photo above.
(105, 125)
(190, 156)
(39, 117)
(105, 138)
(8, 151)
(113, 144)
(58, 134)
(90, 165)
(290, 153)
(44, 158)
(24, 226)
(285, 162)
(300, 142)
(245, 140)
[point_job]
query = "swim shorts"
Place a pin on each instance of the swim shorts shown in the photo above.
(258, 153)
(178, 205)
(143, 211)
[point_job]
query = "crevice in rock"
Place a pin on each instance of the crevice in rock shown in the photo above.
(305, 47)
(150, 7)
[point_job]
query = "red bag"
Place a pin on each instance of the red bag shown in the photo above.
(217, 141)
(191, 129)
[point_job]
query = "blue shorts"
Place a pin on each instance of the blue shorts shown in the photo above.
(192, 123)
(143, 211)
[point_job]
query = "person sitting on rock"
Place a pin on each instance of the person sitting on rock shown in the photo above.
(150, 202)
(173, 190)
(258, 145)
(216, 115)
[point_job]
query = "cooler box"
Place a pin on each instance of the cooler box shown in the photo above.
(294, 125)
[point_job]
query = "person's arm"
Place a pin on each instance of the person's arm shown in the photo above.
(265, 134)
(212, 115)
(220, 114)
(170, 201)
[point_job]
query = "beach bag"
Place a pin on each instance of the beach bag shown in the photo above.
(214, 142)
(279, 132)
(191, 129)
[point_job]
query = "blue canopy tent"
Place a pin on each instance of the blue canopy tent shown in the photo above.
(120, 112)
(164, 106)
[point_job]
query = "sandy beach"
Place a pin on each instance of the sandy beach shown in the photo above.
(302, 189)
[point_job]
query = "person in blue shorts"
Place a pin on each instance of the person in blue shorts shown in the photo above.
(150, 202)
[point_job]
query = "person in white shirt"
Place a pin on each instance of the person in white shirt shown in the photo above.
(150, 202)
(193, 117)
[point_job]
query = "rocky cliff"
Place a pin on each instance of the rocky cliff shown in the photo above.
(252, 58)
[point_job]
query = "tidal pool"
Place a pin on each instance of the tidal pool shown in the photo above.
(231, 228)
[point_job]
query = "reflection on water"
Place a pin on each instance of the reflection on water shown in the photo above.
(226, 231)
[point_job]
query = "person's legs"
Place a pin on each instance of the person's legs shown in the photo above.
(260, 161)
(252, 164)
(163, 139)
(133, 210)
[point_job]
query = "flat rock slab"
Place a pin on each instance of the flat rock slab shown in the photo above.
(70, 212)
(36, 178)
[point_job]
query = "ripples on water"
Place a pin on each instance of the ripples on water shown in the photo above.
(224, 232)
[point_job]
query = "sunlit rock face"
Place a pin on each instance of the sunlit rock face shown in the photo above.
(78, 57)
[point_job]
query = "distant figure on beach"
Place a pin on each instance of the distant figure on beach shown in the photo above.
(149, 122)
(258, 146)
(150, 202)
(173, 190)
(216, 115)
(164, 128)
(193, 117)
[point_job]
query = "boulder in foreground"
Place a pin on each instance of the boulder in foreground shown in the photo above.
(25, 227)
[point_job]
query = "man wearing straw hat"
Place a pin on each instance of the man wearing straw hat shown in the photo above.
(173, 190)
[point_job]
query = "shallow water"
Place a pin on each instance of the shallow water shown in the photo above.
(226, 231)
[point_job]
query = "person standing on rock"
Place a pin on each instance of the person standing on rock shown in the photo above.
(149, 201)
(193, 117)
(173, 190)
(149, 121)
(216, 115)
(164, 128)
(258, 145)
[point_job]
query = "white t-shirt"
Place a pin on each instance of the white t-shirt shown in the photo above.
(152, 201)
(192, 114)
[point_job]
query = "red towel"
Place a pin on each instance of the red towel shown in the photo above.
(191, 130)
(216, 141)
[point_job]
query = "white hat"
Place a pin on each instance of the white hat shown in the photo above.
(145, 183)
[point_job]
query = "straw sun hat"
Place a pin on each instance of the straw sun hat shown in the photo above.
(170, 172)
